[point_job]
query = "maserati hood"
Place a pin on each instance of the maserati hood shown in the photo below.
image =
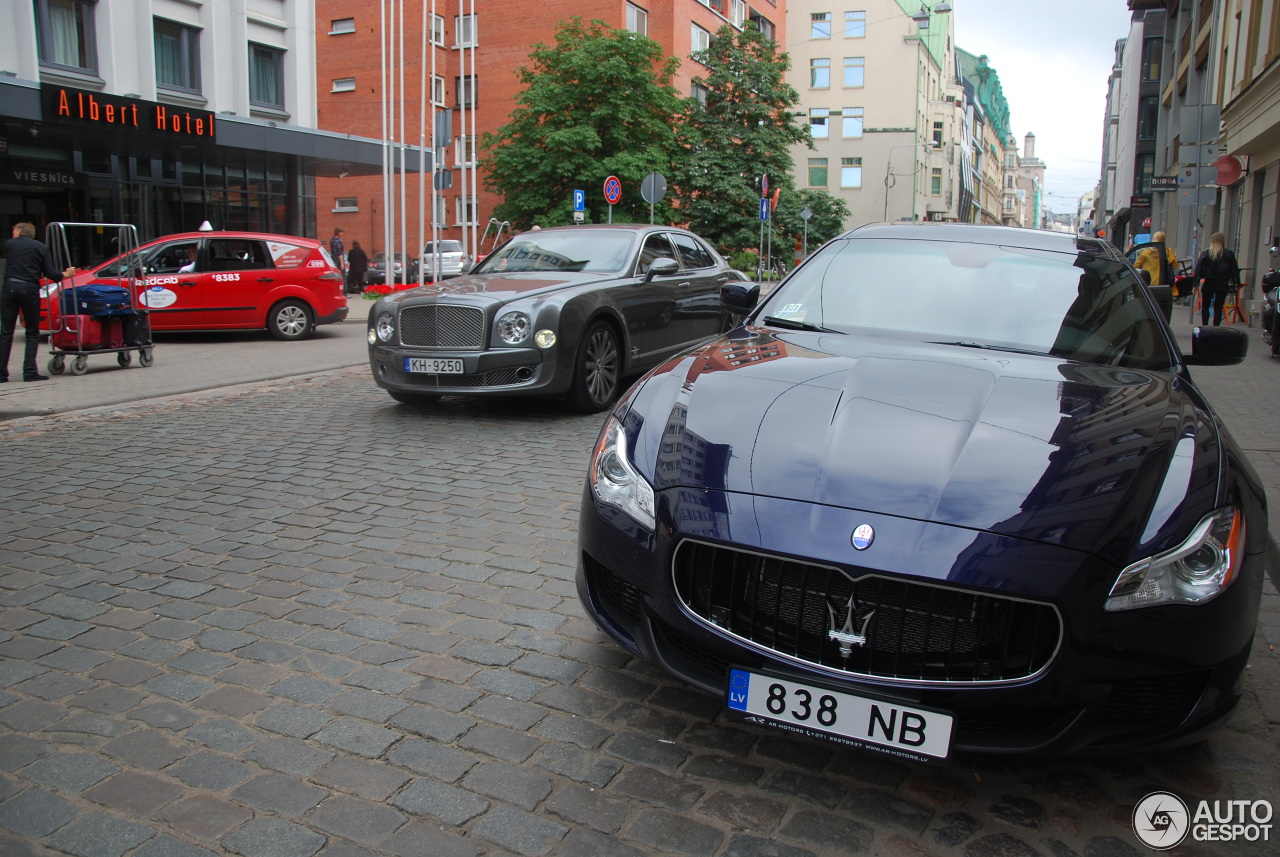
(1007, 443)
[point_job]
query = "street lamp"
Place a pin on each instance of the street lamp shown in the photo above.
(921, 16)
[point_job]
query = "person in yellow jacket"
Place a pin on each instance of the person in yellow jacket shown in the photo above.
(1149, 261)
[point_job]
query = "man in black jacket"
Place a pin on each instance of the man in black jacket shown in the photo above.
(26, 261)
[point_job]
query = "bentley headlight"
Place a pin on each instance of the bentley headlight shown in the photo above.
(1196, 571)
(615, 481)
(513, 328)
(385, 327)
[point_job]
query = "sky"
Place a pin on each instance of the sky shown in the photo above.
(1054, 60)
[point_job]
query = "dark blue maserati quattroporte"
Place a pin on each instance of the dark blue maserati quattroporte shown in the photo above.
(948, 487)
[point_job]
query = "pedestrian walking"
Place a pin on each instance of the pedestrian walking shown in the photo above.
(336, 250)
(1218, 273)
(26, 261)
(357, 264)
(1161, 270)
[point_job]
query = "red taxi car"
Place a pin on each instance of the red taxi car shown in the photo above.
(232, 281)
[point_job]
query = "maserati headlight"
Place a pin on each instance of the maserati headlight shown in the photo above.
(385, 327)
(513, 328)
(1194, 572)
(615, 481)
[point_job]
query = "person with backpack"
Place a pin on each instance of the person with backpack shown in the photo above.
(1218, 273)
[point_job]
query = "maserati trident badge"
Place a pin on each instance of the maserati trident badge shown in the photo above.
(863, 536)
(845, 636)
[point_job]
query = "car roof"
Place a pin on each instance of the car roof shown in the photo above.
(975, 233)
(262, 236)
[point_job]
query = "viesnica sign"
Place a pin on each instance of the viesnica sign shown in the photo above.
(64, 104)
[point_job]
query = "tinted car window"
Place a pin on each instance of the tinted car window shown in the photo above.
(236, 254)
(655, 247)
(602, 251)
(692, 253)
(1080, 307)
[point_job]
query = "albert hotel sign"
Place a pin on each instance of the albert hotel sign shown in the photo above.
(63, 104)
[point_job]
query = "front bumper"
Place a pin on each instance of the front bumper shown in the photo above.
(1118, 682)
(504, 372)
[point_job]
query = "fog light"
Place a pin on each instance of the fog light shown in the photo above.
(545, 338)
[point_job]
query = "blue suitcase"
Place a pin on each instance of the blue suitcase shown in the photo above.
(96, 299)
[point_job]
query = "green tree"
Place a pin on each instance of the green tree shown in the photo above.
(827, 218)
(597, 103)
(744, 128)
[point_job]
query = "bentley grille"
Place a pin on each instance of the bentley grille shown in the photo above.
(507, 377)
(873, 626)
(442, 326)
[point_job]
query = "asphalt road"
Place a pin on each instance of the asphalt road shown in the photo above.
(250, 605)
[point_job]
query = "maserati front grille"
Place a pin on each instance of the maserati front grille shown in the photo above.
(865, 625)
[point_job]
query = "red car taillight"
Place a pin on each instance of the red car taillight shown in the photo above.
(330, 276)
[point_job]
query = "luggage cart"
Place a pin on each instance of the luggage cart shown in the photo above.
(104, 326)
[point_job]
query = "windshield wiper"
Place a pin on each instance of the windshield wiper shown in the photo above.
(986, 347)
(792, 324)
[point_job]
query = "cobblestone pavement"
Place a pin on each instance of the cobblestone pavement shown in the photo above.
(293, 618)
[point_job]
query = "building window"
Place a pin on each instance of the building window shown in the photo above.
(338, 26)
(855, 25)
(344, 84)
(701, 38)
(820, 25)
(851, 122)
(1143, 168)
(345, 203)
(465, 27)
(467, 211)
(738, 12)
(699, 94)
(851, 172)
(438, 90)
(266, 76)
(935, 182)
(65, 34)
(464, 151)
(1008, 182)
(1152, 48)
(818, 128)
(763, 24)
(854, 68)
(817, 172)
(820, 73)
(637, 20)
(1148, 116)
(177, 56)
(437, 30)
(937, 133)
(465, 91)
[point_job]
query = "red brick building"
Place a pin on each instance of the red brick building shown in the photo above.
(349, 57)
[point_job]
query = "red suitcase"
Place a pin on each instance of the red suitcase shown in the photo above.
(112, 331)
(78, 333)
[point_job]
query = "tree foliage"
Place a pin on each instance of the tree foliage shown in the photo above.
(597, 103)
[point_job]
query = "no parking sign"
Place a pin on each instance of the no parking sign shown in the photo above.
(612, 193)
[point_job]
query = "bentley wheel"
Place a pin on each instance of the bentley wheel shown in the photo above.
(597, 373)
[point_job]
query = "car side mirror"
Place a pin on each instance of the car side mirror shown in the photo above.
(739, 298)
(1217, 346)
(662, 267)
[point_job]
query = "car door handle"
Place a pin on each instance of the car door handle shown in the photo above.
(187, 283)
(685, 284)
(266, 279)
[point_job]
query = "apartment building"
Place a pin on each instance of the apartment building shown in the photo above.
(470, 57)
(164, 114)
(879, 89)
(994, 179)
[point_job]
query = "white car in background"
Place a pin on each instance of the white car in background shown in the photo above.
(447, 255)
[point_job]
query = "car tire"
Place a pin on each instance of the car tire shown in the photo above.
(597, 371)
(413, 398)
(290, 320)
